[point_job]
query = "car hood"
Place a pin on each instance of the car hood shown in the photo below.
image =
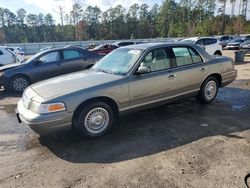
(73, 82)
(10, 66)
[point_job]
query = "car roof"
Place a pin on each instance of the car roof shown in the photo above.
(145, 46)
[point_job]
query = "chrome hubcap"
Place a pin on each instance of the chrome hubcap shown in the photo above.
(19, 84)
(210, 90)
(96, 120)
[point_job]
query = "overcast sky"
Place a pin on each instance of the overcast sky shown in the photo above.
(50, 6)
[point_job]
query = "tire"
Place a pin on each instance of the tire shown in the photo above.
(18, 83)
(218, 53)
(93, 120)
(208, 91)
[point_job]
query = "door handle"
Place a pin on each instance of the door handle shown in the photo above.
(203, 69)
(171, 77)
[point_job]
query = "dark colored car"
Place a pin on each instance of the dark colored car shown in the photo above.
(46, 64)
(235, 44)
(104, 49)
(245, 45)
(124, 43)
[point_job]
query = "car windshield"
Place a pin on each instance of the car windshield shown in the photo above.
(119, 61)
(33, 57)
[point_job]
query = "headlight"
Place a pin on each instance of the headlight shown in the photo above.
(46, 108)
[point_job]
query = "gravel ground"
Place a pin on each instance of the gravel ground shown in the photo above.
(185, 144)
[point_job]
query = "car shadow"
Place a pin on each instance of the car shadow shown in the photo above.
(148, 132)
(6, 94)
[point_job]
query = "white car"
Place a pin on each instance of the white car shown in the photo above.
(210, 44)
(17, 51)
(6, 57)
(224, 40)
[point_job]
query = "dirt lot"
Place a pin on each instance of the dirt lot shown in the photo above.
(180, 145)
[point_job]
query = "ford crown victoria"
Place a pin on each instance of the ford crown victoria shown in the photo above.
(129, 79)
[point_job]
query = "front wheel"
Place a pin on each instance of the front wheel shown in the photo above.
(93, 120)
(208, 91)
(18, 83)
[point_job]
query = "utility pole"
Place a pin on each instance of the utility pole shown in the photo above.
(61, 14)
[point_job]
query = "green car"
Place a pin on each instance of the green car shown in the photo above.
(129, 79)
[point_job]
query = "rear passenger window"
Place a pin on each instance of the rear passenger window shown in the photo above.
(186, 56)
(71, 54)
(195, 56)
(210, 41)
(182, 56)
(200, 42)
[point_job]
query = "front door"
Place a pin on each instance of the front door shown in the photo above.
(48, 67)
(154, 86)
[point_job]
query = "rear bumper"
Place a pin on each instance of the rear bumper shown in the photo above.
(45, 123)
(228, 77)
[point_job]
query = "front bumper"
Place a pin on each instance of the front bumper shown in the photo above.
(4, 81)
(45, 123)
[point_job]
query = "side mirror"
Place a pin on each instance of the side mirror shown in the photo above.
(37, 62)
(143, 70)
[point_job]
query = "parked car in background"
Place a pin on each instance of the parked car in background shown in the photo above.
(104, 48)
(6, 56)
(224, 40)
(92, 45)
(18, 52)
(210, 44)
(46, 64)
(46, 48)
(235, 44)
(245, 45)
(124, 43)
(73, 45)
(129, 79)
(245, 36)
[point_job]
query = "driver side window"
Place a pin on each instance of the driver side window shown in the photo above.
(50, 57)
(157, 60)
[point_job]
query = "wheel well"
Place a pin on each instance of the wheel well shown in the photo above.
(106, 100)
(24, 75)
(217, 52)
(218, 77)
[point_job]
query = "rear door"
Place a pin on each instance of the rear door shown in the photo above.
(190, 69)
(74, 60)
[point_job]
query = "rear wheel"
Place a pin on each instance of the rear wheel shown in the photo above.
(208, 91)
(93, 120)
(18, 83)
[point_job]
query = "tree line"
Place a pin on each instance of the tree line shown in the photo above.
(172, 19)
